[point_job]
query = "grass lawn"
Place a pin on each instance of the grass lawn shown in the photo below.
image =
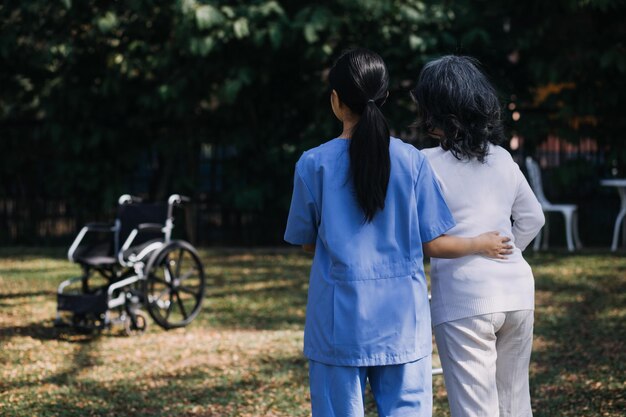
(242, 355)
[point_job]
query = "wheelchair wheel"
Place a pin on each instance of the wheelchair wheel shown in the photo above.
(174, 285)
(135, 324)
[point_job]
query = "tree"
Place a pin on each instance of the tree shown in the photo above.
(101, 98)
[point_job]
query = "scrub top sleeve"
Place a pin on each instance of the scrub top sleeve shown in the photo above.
(433, 214)
(303, 214)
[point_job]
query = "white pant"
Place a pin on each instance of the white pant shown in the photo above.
(485, 364)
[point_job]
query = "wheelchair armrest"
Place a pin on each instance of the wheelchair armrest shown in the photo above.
(142, 227)
(100, 227)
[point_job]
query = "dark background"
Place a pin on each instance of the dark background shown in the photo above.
(217, 100)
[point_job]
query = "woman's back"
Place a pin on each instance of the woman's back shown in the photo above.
(393, 236)
(484, 196)
(367, 303)
(480, 195)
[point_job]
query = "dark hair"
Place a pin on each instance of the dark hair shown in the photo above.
(361, 81)
(454, 95)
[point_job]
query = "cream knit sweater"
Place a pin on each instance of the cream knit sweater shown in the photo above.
(484, 197)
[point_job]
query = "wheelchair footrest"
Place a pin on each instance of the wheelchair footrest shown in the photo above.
(83, 303)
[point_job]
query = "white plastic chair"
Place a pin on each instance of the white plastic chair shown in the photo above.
(569, 211)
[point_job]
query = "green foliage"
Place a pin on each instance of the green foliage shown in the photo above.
(94, 92)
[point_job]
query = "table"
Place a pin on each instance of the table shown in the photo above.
(620, 184)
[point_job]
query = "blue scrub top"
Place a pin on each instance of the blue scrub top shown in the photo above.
(368, 298)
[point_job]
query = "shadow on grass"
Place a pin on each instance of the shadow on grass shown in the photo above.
(26, 294)
(274, 307)
(47, 331)
(262, 292)
(270, 386)
(582, 365)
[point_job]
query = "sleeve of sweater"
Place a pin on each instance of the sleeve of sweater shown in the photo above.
(528, 218)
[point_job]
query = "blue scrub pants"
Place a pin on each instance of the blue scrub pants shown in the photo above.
(399, 390)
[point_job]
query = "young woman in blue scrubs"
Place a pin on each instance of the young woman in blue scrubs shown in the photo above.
(370, 208)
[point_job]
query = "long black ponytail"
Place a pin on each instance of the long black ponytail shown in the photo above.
(361, 81)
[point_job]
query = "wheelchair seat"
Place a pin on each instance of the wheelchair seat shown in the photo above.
(96, 260)
(98, 254)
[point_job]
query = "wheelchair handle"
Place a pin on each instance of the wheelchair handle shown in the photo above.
(128, 199)
(176, 199)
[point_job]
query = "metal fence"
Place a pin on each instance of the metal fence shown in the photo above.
(571, 174)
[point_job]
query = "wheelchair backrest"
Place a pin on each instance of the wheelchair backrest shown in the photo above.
(132, 215)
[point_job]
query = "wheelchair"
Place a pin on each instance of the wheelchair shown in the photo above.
(130, 264)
